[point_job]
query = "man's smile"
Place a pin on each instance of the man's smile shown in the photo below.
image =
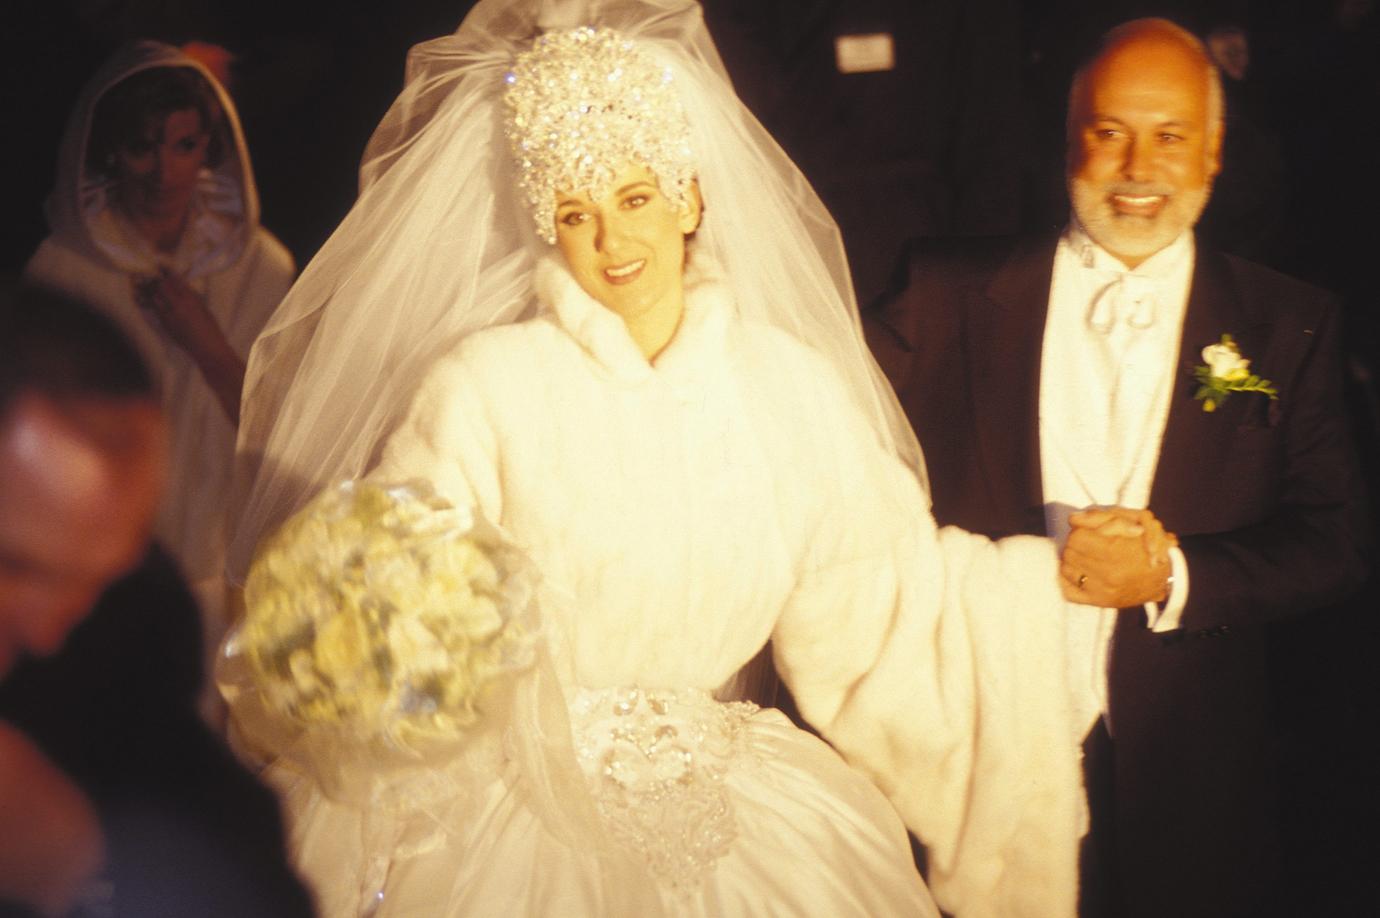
(1145, 205)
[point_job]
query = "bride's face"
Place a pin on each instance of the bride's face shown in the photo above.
(627, 248)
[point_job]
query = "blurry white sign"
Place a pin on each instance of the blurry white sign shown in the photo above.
(870, 53)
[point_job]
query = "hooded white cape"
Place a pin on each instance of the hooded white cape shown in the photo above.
(237, 265)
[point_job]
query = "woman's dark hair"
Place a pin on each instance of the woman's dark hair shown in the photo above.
(124, 110)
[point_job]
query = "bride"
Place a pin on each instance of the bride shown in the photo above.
(583, 292)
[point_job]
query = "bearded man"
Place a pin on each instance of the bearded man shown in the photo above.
(1047, 376)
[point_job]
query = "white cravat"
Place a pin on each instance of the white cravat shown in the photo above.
(1129, 299)
(1110, 347)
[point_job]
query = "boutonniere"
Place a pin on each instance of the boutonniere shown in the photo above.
(1224, 372)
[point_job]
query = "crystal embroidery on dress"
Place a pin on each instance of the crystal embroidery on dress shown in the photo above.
(656, 762)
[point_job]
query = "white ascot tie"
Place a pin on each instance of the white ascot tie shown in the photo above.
(1129, 298)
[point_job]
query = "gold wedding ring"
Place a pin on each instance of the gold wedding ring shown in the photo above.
(1082, 579)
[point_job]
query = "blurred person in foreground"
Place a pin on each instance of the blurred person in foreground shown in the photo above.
(155, 222)
(1120, 364)
(115, 799)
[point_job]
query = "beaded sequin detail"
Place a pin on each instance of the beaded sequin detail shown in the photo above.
(656, 761)
(581, 105)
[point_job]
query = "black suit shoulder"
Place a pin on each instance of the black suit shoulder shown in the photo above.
(927, 264)
(937, 282)
(935, 275)
(1283, 296)
(1266, 278)
(972, 255)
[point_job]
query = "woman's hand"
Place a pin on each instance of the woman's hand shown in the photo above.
(181, 313)
(177, 309)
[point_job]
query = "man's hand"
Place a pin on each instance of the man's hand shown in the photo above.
(1116, 558)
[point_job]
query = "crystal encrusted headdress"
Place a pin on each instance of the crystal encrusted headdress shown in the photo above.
(581, 105)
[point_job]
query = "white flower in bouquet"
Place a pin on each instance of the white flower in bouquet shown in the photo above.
(386, 615)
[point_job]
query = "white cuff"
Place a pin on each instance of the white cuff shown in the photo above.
(1166, 617)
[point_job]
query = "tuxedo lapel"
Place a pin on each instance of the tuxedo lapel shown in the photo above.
(1196, 440)
(1004, 347)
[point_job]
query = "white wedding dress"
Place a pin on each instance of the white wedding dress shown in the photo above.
(681, 514)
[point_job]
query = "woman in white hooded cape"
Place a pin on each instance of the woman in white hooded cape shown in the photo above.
(228, 271)
(690, 482)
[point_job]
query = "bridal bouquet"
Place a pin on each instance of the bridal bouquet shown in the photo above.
(385, 618)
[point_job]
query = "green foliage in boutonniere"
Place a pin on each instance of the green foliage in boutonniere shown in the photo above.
(1224, 372)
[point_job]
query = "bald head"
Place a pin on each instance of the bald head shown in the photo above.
(1158, 47)
(1144, 138)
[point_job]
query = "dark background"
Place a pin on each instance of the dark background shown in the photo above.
(964, 136)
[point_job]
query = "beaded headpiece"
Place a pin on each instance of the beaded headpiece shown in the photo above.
(582, 104)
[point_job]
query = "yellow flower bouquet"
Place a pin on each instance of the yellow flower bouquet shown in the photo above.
(380, 621)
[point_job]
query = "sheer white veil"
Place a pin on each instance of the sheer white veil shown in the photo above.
(439, 245)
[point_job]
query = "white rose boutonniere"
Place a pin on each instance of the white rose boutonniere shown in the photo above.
(1225, 371)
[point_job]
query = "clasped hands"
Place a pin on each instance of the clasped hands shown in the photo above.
(1116, 558)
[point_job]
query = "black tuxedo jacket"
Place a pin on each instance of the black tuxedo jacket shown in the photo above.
(1265, 496)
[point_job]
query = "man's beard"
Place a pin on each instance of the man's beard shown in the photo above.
(1132, 236)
